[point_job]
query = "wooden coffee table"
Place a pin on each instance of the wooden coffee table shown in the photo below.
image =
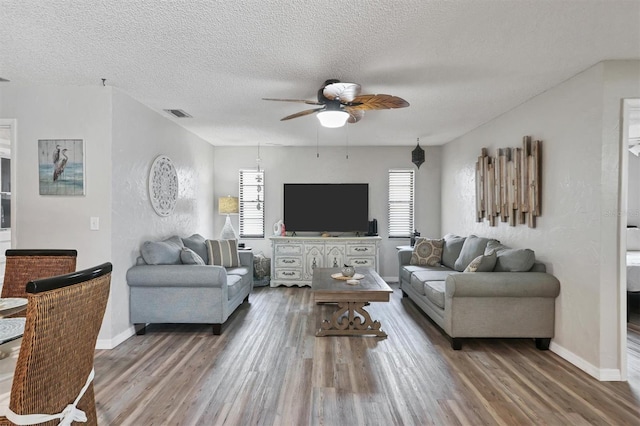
(350, 319)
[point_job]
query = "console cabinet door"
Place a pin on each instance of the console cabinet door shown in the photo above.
(313, 258)
(335, 255)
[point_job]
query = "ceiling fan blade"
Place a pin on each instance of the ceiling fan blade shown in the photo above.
(346, 92)
(302, 101)
(355, 115)
(301, 113)
(371, 102)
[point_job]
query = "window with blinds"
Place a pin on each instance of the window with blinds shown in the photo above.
(251, 204)
(401, 192)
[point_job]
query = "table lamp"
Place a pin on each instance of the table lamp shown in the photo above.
(228, 205)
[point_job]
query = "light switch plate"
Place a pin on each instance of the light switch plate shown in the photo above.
(95, 223)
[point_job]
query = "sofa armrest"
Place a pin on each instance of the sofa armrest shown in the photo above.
(404, 256)
(176, 276)
(246, 258)
(502, 284)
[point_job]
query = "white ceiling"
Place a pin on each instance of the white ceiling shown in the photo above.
(458, 63)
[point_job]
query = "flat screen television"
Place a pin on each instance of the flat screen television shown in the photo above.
(326, 207)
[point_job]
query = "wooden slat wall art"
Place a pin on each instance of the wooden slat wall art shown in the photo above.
(508, 185)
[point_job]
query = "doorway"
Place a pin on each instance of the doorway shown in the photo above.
(629, 227)
(6, 208)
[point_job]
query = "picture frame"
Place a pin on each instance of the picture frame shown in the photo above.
(61, 167)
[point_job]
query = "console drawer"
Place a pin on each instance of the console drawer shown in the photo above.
(288, 262)
(362, 261)
(361, 250)
(290, 249)
(288, 274)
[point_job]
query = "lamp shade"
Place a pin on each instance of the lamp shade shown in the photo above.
(333, 119)
(228, 205)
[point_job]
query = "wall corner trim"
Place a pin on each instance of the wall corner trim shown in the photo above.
(601, 374)
(112, 343)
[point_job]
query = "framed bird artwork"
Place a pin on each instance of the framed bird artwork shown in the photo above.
(61, 166)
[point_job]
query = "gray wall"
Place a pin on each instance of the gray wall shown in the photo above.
(577, 235)
(365, 165)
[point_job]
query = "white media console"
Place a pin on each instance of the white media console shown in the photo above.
(294, 258)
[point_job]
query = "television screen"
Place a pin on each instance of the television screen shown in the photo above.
(330, 207)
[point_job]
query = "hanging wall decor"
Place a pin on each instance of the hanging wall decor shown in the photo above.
(61, 166)
(417, 155)
(163, 185)
(508, 185)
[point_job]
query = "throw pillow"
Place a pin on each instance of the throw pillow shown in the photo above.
(427, 252)
(512, 260)
(482, 263)
(261, 266)
(451, 250)
(197, 243)
(165, 252)
(223, 253)
(190, 257)
(473, 247)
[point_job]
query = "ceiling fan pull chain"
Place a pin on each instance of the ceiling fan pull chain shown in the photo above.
(347, 127)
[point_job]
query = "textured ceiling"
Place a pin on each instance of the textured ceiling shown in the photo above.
(458, 63)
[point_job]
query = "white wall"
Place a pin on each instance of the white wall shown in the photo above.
(122, 138)
(48, 112)
(139, 136)
(365, 165)
(577, 234)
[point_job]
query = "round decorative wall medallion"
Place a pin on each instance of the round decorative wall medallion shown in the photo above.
(163, 185)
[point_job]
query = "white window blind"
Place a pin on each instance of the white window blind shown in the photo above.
(251, 204)
(401, 191)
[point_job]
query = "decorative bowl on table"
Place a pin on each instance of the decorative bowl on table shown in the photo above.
(348, 271)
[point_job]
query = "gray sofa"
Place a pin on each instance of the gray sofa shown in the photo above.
(163, 289)
(514, 297)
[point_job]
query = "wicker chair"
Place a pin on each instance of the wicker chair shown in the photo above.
(28, 265)
(64, 315)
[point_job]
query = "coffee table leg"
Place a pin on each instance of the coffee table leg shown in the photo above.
(352, 324)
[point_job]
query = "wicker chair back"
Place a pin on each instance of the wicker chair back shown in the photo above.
(64, 315)
(27, 265)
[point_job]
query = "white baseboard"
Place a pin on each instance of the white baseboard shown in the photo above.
(602, 374)
(112, 343)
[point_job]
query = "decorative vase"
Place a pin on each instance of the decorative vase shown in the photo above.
(348, 271)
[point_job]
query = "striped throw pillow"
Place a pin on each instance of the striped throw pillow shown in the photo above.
(223, 253)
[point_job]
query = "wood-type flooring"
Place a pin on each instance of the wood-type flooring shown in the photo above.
(268, 368)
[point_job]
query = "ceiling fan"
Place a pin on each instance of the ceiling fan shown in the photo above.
(342, 103)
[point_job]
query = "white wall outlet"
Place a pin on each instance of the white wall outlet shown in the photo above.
(95, 223)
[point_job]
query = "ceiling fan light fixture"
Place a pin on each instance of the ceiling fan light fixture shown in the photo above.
(333, 119)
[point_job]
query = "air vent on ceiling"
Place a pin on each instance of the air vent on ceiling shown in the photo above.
(178, 113)
(3, 80)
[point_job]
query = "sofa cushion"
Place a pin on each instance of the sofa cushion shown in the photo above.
(473, 247)
(451, 249)
(223, 253)
(483, 263)
(165, 252)
(417, 285)
(234, 285)
(407, 270)
(190, 257)
(240, 270)
(434, 291)
(432, 274)
(427, 252)
(511, 260)
(197, 243)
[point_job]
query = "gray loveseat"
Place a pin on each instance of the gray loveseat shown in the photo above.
(185, 289)
(513, 297)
